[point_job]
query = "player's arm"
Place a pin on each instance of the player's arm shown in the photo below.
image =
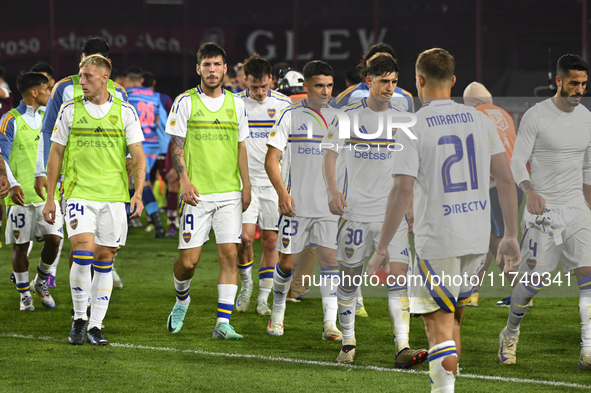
(188, 190)
(509, 246)
(272, 168)
(54, 167)
(4, 184)
(138, 170)
(7, 134)
(336, 200)
(243, 168)
(587, 175)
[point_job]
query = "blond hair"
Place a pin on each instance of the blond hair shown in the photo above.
(97, 60)
(436, 65)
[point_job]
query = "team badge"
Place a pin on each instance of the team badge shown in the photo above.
(230, 113)
(113, 119)
(285, 242)
(531, 263)
(54, 129)
(74, 223)
(187, 237)
(172, 123)
(273, 133)
(497, 116)
(271, 112)
(349, 252)
(16, 233)
(330, 135)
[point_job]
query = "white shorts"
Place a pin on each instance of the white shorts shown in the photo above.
(456, 276)
(263, 208)
(196, 221)
(106, 220)
(295, 233)
(23, 223)
(540, 254)
(357, 240)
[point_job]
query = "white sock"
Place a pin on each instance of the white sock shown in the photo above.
(442, 381)
(520, 298)
(53, 268)
(101, 291)
(399, 309)
(328, 291)
(80, 282)
(359, 302)
(281, 283)
(245, 271)
(585, 313)
(265, 285)
(226, 298)
(42, 272)
(22, 283)
(346, 307)
(182, 291)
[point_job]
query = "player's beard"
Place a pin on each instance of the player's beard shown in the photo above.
(213, 87)
(566, 97)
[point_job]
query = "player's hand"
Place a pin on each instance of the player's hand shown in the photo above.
(410, 218)
(245, 198)
(509, 254)
(49, 211)
(535, 203)
(40, 184)
(4, 186)
(136, 206)
(286, 205)
(336, 201)
(17, 195)
(128, 166)
(379, 258)
(189, 193)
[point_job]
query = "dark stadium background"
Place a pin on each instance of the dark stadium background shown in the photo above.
(504, 44)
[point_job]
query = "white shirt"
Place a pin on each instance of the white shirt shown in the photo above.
(63, 124)
(181, 113)
(558, 146)
(261, 119)
(369, 163)
(451, 163)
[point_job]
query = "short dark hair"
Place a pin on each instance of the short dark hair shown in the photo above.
(210, 49)
(380, 47)
(381, 64)
(27, 80)
(96, 46)
(231, 72)
(569, 62)
(148, 79)
(317, 67)
(436, 64)
(134, 73)
(257, 67)
(42, 67)
(352, 75)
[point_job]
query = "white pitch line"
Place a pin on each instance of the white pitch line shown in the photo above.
(314, 362)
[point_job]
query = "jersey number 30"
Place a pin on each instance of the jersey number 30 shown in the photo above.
(448, 185)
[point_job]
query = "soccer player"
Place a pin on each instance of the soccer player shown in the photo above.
(263, 107)
(305, 217)
(208, 127)
(20, 128)
(149, 108)
(479, 97)
(90, 139)
(448, 164)
(555, 137)
(45, 69)
(369, 166)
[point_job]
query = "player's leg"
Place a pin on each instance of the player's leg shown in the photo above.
(18, 233)
(152, 209)
(172, 197)
(583, 275)
(305, 267)
(268, 262)
(80, 282)
(101, 291)
(360, 310)
(245, 261)
(53, 269)
(443, 357)
(329, 273)
(346, 308)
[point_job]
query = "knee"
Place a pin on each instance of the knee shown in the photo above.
(269, 243)
(186, 263)
(52, 241)
(247, 240)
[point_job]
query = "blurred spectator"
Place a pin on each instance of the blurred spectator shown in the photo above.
(240, 80)
(120, 78)
(230, 82)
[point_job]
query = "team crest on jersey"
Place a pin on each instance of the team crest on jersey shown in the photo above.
(113, 119)
(16, 233)
(172, 123)
(74, 223)
(271, 112)
(230, 113)
(285, 242)
(54, 129)
(187, 237)
(273, 133)
(330, 135)
(349, 252)
(531, 263)
(497, 116)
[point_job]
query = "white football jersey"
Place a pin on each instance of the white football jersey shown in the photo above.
(261, 119)
(369, 163)
(557, 145)
(302, 158)
(451, 163)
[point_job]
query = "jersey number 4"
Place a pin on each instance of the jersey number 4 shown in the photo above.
(448, 185)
